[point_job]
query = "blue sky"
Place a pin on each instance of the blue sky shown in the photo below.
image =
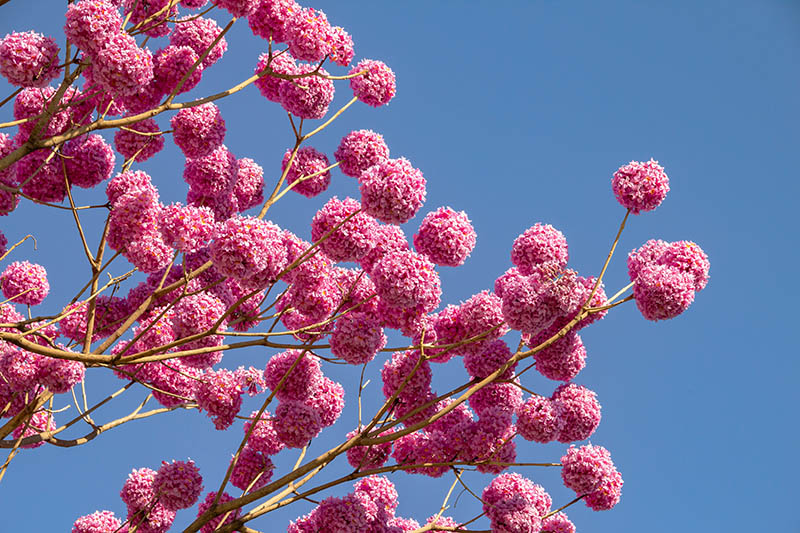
(519, 112)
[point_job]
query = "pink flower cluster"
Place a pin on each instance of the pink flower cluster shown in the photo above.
(198, 33)
(25, 283)
(357, 337)
(446, 237)
(589, 471)
(309, 166)
(514, 503)
(392, 190)
(376, 86)
(369, 507)
(540, 245)
(353, 239)
(29, 59)
(185, 227)
(91, 24)
(89, 160)
(359, 150)
(571, 414)
(139, 146)
(640, 186)
(250, 250)
(198, 130)
(309, 401)
(406, 279)
(666, 276)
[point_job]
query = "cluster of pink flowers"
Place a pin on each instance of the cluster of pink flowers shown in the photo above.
(357, 337)
(89, 160)
(172, 64)
(359, 150)
(376, 86)
(307, 96)
(515, 503)
(185, 227)
(446, 237)
(25, 283)
(91, 24)
(571, 414)
(666, 276)
(198, 33)
(139, 146)
(353, 239)
(198, 130)
(640, 186)
(392, 190)
(589, 471)
(406, 279)
(310, 166)
(29, 59)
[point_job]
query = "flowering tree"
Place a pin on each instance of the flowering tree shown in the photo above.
(217, 277)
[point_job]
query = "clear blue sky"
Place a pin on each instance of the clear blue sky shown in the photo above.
(519, 112)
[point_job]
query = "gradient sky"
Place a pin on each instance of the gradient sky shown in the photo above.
(519, 112)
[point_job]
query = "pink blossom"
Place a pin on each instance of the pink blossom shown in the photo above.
(214, 174)
(663, 292)
(539, 420)
(198, 33)
(368, 457)
(91, 24)
(148, 252)
(60, 375)
(482, 315)
(407, 279)
(356, 338)
(32, 102)
(305, 378)
(506, 397)
(607, 494)
(392, 190)
(353, 239)
(215, 522)
(269, 85)
(271, 17)
(480, 364)
(137, 491)
(640, 186)
(186, 228)
(309, 96)
(585, 468)
(328, 401)
(387, 237)
(246, 247)
(97, 522)
(198, 130)
(446, 237)
(178, 484)
(249, 188)
(264, 438)
(253, 470)
(514, 503)
(558, 523)
(20, 369)
(29, 59)
(238, 8)
(359, 150)
(40, 421)
(42, 177)
(307, 162)
(579, 409)
(89, 160)
(563, 359)
(130, 182)
(308, 35)
(170, 66)
(399, 367)
(342, 51)
(539, 245)
(156, 25)
(139, 147)
(380, 490)
(296, 423)
(220, 395)
(121, 67)
(376, 87)
(25, 282)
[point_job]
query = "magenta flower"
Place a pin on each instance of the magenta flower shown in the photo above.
(121, 67)
(562, 360)
(368, 457)
(214, 174)
(640, 186)
(376, 87)
(539, 245)
(253, 470)
(353, 239)
(137, 491)
(359, 150)
(198, 130)
(269, 85)
(392, 190)
(306, 163)
(480, 364)
(357, 337)
(264, 438)
(138, 147)
(446, 237)
(307, 97)
(198, 34)
(97, 522)
(91, 24)
(219, 394)
(580, 411)
(407, 279)
(304, 379)
(60, 375)
(214, 523)
(25, 282)
(40, 421)
(178, 484)
(239, 8)
(186, 228)
(538, 419)
(296, 423)
(89, 160)
(342, 51)
(171, 64)
(271, 17)
(309, 35)
(29, 59)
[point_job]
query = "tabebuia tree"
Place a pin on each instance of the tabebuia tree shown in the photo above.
(175, 286)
